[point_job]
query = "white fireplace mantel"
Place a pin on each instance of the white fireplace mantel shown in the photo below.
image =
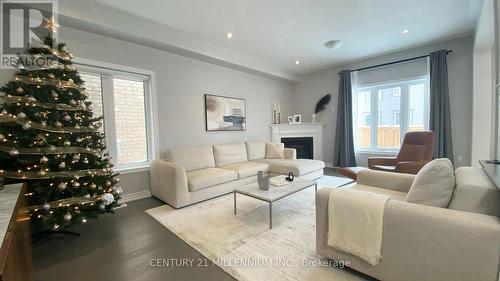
(314, 130)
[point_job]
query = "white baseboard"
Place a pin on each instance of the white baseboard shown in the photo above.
(135, 196)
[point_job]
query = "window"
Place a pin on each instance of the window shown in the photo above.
(401, 107)
(396, 121)
(123, 99)
(367, 119)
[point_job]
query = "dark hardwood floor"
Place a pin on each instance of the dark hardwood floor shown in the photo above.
(120, 247)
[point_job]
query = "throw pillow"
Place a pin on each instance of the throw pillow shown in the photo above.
(275, 150)
(433, 185)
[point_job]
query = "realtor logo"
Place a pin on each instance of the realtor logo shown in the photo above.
(25, 24)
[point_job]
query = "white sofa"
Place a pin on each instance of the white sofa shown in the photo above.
(192, 174)
(461, 242)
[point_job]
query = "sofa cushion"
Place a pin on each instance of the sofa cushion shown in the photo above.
(297, 166)
(275, 150)
(396, 195)
(256, 150)
(225, 154)
(203, 178)
(433, 185)
(192, 158)
(474, 192)
(247, 169)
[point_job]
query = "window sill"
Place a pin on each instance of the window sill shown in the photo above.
(132, 169)
(377, 152)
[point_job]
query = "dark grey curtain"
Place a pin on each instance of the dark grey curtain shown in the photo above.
(343, 154)
(440, 118)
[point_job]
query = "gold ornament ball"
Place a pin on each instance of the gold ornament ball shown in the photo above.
(19, 90)
(58, 124)
(26, 126)
(62, 186)
(67, 143)
(67, 118)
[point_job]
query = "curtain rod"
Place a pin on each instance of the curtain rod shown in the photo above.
(394, 62)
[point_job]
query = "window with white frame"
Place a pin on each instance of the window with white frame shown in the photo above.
(400, 107)
(123, 99)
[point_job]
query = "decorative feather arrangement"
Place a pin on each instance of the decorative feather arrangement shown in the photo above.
(322, 103)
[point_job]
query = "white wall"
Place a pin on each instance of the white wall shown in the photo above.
(483, 125)
(314, 85)
(484, 101)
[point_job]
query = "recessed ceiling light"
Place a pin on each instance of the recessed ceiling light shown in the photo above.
(404, 31)
(297, 62)
(229, 35)
(333, 44)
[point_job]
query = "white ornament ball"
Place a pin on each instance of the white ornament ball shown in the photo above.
(26, 126)
(58, 124)
(14, 152)
(46, 206)
(76, 184)
(67, 118)
(67, 143)
(44, 159)
(19, 90)
(85, 161)
(67, 217)
(55, 227)
(70, 80)
(93, 186)
(107, 198)
(116, 180)
(2, 137)
(44, 123)
(62, 165)
(73, 102)
(62, 186)
(118, 189)
(79, 140)
(86, 196)
(76, 157)
(21, 116)
(102, 207)
(77, 126)
(84, 220)
(54, 94)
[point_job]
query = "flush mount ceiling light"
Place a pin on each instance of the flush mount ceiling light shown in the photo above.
(229, 35)
(333, 44)
(404, 31)
(297, 62)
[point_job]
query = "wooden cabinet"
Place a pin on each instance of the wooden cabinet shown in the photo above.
(16, 262)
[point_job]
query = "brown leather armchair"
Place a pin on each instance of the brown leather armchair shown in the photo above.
(417, 149)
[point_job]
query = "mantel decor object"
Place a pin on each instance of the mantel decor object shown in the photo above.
(320, 106)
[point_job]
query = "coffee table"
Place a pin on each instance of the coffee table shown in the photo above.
(274, 193)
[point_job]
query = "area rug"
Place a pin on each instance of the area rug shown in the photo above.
(245, 247)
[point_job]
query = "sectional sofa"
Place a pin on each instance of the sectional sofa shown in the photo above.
(460, 242)
(192, 174)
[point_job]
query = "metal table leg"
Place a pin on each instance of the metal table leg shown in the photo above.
(271, 215)
(234, 194)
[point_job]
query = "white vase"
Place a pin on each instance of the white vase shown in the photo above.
(313, 120)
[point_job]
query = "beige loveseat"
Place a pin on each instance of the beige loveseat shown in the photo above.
(461, 242)
(193, 174)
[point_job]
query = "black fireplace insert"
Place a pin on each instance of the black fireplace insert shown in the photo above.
(303, 145)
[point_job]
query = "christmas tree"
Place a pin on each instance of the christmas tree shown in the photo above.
(50, 139)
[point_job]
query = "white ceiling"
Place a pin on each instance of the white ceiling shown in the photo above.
(281, 31)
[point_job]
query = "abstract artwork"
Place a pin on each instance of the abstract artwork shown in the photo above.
(225, 113)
